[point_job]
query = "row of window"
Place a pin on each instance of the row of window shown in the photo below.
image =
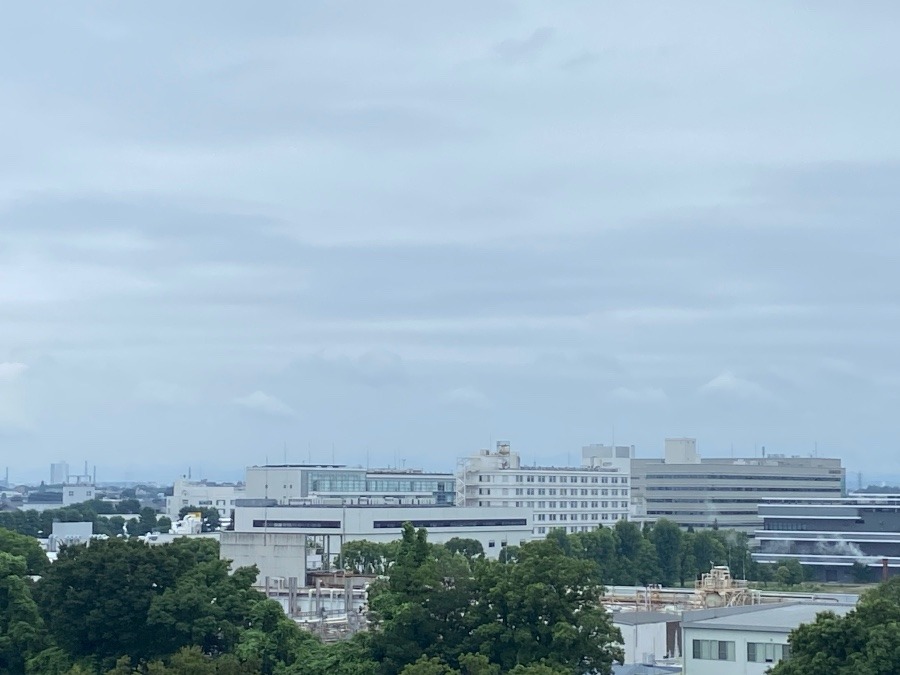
(553, 505)
(732, 476)
(724, 650)
(393, 524)
(715, 512)
(562, 493)
(542, 517)
(519, 478)
(571, 528)
(739, 488)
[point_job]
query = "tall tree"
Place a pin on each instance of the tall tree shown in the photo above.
(21, 629)
(666, 538)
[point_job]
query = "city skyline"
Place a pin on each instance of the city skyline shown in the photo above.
(407, 231)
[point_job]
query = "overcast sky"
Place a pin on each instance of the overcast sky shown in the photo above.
(405, 230)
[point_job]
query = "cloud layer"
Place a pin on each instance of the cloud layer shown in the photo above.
(407, 230)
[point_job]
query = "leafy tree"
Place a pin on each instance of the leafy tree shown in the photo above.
(864, 640)
(21, 628)
(145, 524)
(600, 546)
(122, 597)
(542, 609)
(164, 524)
(429, 666)
(789, 572)
(368, 557)
(26, 547)
(128, 506)
(470, 548)
(666, 538)
(687, 563)
(708, 550)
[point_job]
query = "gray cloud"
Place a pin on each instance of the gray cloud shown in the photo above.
(447, 223)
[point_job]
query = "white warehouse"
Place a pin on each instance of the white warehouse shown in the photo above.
(279, 538)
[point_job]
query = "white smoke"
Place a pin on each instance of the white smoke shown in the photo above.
(844, 548)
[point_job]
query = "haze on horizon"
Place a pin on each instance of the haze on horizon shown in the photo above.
(402, 230)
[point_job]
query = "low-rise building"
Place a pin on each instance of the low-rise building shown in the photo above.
(744, 640)
(283, 540)
(851, 539)
(76, 493)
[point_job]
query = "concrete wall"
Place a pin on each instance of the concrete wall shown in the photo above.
(642, 639)
(276, 555)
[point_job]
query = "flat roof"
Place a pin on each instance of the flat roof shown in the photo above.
(639, 618)
(782, 618)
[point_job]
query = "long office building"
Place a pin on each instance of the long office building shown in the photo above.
(286, 541)
(299, 484)
(853, 539)
(725, 492)
(577, 499)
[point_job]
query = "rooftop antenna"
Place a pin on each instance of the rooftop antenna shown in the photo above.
(816, 449)
(189, 473)
(285, 453)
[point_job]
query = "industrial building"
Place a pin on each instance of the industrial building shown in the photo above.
(285, 541)
(725, 492)
(745, 640)
(576, 499)
(59, 473)
(850, 539)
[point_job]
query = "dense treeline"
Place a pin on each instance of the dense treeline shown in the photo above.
(120, 606)
(105, 516)
(626, 554)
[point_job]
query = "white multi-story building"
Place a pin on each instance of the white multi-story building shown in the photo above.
(577, 499)
(311, 484)
(203, 494)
